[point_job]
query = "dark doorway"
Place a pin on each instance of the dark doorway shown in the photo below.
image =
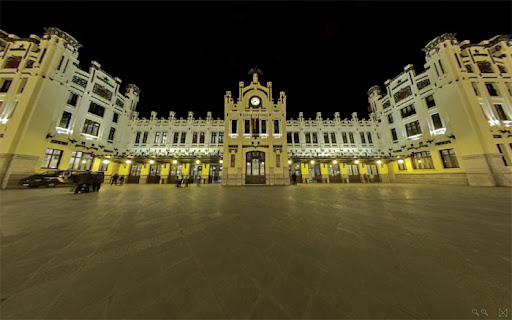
(255, 167)
(353, 173)
(134, 175)
(154, 173)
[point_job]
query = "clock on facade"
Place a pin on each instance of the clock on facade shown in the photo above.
(255, 101)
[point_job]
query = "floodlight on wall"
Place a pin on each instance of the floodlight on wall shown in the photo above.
(334, 161)
(151, 161)
(174, 161)
(312, 161)
(198, 162)
(128, 161)
(221, 161)
(289, 161)
(401, 161)
(106, 161)
(356, 162)
(379, 161)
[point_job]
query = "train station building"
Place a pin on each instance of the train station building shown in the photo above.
(449, 124)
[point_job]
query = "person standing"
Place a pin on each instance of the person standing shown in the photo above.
(121, 180)
(294, 179)
(178, 180)
(113, 181)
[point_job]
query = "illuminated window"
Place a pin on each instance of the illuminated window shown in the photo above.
(393, 134)
(157, 138)
(422, 160)
(221, 137)
(52, 158)
(111, 134)
(72, 99)
(164, 137)
(65, 120)
(214, 137)
(103, 166)
(436, 120)
(413, 128)
(91, 127)
(402, 166)
(449, 159)
(80, 161)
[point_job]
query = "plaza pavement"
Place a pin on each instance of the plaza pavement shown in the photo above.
(308, 251)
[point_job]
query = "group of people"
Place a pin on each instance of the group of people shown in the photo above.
(115, 178)
(87, 182)
(183, 180)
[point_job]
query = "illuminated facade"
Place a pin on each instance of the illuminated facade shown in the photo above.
(449, 124)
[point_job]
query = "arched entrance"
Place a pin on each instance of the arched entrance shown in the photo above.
(255, 167)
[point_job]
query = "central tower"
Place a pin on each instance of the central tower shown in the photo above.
(255, 136)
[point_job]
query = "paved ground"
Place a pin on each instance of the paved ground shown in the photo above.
(307, 251)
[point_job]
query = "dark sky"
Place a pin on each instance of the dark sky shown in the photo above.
(325, 56)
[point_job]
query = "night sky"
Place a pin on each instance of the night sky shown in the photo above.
(184, 56)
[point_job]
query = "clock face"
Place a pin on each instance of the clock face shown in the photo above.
(255, 101)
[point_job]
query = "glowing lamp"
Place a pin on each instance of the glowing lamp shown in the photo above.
(221, 161)
(289, 161)
(379, 161)
(419, 161)
(128, 161)
(334, 161)
(106, 161)
(84, 161)
(312, 161)
(198, 162)
(400, 161)
(151, 161)
(174, 161)
(356, 162)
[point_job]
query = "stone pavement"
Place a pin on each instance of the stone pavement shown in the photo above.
(306, 251)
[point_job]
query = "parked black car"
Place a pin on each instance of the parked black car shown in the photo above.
(48, 179)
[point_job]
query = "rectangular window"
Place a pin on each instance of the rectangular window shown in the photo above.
(469, 68)
(96, 109)
(308, 137)
(296, 137)
(408, 111)
(492, 89)
(65, 120)
(422, 160)
(201, 137)
(413, 128)
(351, 137)
(289, 137)
(326, 137)
(221, 137)
(402, 166)
(369, 134)
(111, 134)
(51, 159)
(137, 137)
(164, 137)
(115, 118)
(475, 88)
(157, 138)
(103, 166)
(344, 137)
(436, 120)
(233, 126)
(247, 126)
(390, 118)
(276, 126)
(176, 138)
(145, 137)
(6, 85)
(60, 63)
(233, 161)
(333, 137)
(80, 161)
(504, 157)
(12, 62)
(363, 140)
(72, 99)
(315, 138)
(214, 137)
(23, 83)
(194, 137)
(278, 160)
(484, 66)
(91, 127)
(449, 159)
(502, 68)
(183, 137)
(500, 112)
(430, 101)
(263, 126)
(29, 64)
(393, 134)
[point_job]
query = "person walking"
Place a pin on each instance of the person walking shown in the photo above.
(121, 180)
(113, 181)
(294, 179)
(178, 180)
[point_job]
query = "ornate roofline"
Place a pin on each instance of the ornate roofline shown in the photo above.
(436, 41)
(66, 36)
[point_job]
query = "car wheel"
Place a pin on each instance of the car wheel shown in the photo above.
(51, 184)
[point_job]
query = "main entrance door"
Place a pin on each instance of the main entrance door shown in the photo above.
(255, 167)
(215, 175)
(334, 173)
(373, 173)
(154, 173)
(353, 173)
(174, 172)
(134, 175)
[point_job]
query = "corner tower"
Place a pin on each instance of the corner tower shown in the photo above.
(255, 147)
